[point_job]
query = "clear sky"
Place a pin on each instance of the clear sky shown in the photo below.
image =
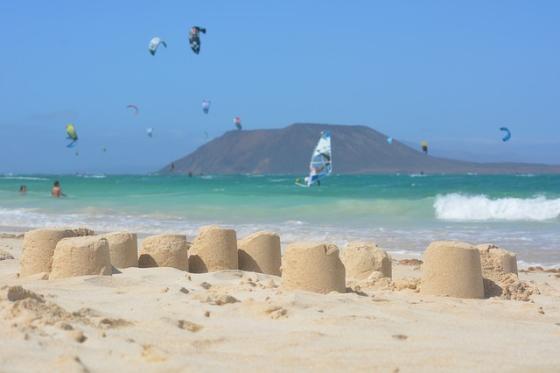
(451, 72)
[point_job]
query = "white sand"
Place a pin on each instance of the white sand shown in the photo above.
(164, 319)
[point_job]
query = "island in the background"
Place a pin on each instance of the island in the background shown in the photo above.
(356, 150)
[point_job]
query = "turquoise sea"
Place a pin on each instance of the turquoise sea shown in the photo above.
(402, 213)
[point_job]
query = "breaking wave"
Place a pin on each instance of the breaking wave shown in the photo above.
(479, 208)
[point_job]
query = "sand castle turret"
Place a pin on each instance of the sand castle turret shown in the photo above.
(38, 249)
(214, 249)
(363, 259)
(313, 267)
(260, 252)
(164, 250)
(123, 248)
(452, 268)
(496, 260)
(499, 270)
(80, 256)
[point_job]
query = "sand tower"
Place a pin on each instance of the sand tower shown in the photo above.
(313, 267)
(499, 268)
(38, 249)
(452, 268)
(80, 256)
(260, 252)
(496, 260)
(362, 259)
(214, 249)
(164, 250)
(123, 247)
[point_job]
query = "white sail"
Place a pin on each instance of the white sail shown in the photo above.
(321, 160)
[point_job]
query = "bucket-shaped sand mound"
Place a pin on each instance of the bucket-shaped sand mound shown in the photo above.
(453, 269)
(260, 252)
(313, 267)
(164, 250)
(214, 249)
(363, 259)
(38, 249)
(123, 248)
(80, 256)
(496, 260)
(499, 270)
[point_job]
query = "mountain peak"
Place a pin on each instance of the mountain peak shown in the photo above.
(356, 149)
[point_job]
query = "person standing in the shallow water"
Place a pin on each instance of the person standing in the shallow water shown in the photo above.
(23, 189)
(56, 191)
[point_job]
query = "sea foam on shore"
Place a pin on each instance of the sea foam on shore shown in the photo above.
(480, 208)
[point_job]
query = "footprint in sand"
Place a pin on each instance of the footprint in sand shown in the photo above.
(188, 325)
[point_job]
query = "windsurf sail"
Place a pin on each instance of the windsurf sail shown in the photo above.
(321, 160)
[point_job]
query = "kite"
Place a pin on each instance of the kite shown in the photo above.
(237, 122)
(507, 134)
(71, 135)
(154, 45)
(194, 38)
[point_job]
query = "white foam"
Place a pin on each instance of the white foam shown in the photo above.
(93, 176)
(480, 208)
(9, 177)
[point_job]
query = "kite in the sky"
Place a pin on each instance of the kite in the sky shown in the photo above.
(194, 38)
(134, 108)
(237, 122)
(71, 135)
(205, 106)
(149, 132)
(389, 140)
(154, 45)
(507, 134)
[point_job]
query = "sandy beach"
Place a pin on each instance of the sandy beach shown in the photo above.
(280, 186)
(165, 319)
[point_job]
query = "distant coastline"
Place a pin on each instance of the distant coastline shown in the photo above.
(356, 150)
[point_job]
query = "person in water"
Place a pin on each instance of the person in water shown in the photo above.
(23, 189)
(56, 191)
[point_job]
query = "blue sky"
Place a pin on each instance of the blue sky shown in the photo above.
(448, 71)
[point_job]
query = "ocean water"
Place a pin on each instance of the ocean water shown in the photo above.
(402, 213)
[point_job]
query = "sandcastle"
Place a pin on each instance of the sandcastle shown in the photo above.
(164, 250)
(260, 252)
(80, 256)
(214, 249)
(452, 268)
(38, 249)
(123, 248)
(499, 272)
(364, 259)
(313, 267)
(496, 260)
